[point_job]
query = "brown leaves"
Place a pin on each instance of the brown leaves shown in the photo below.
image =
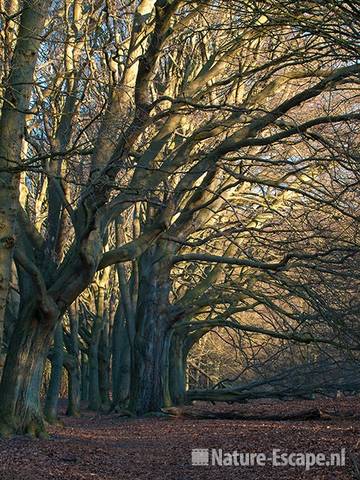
(107, 447)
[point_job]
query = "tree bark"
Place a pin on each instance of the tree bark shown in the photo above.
(57, 361)
(73, 366)
(148, 371)
(94, 388)
(74, 390)
(84, 377)
(100, 319)
(20, 408)
(104, 366)
(177, 370)
(12, 122)
(121, 361)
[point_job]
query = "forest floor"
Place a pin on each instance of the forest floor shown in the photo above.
(108, 447)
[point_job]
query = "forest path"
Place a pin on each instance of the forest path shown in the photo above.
(107, 447)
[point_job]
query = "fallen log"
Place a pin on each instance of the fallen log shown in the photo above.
(244, 395)
(304, 415)
(299, 382)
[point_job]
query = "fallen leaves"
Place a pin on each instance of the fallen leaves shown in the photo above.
(108, 447)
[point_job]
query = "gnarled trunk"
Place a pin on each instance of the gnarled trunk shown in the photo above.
(20, 408)
(12, 122)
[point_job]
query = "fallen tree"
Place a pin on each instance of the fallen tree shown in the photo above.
(302, 382)
(303, 415)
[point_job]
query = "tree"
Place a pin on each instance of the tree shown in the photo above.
(195, 125)
(15, 106)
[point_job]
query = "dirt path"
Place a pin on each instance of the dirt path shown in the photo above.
(110, 448)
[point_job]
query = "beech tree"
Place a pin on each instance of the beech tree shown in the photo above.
(169, 138)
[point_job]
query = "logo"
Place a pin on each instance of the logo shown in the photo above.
(276, 458)
(200, 456)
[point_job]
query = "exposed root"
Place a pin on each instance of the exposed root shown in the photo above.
(6, 429)
(161, 414)
(73, 413)
(124, 412)
(33, 426)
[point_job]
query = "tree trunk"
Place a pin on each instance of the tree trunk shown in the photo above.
(177, 370)
(121, 361)
(94, 389)
(57, 361)
(84, 377)
(99, 322)
(148, 371)
(73, 366)
(73, 408)
(12, 122)
(104, 366)
(20, 408)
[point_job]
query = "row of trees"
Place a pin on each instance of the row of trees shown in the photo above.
(166, 168)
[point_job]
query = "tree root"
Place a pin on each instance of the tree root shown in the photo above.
(7, 429)
(33, 426)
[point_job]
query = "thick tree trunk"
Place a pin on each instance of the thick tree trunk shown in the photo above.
(148, 377)
(177, 370)
(94, 388)
(57, 361)
(20, 408)
(74, 389)
(12, 122)
(148, 371)
(121, 361)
